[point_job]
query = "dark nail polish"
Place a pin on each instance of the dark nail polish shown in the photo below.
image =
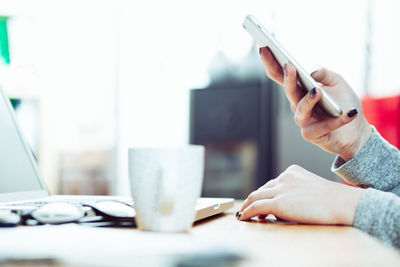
(238, 214)
(313, 92)
(259, 50)
(284, 69)
(352, 113)
(313, 72)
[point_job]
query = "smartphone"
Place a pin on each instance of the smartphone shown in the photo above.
(264, 38)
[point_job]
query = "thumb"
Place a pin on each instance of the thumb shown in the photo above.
(325, 76)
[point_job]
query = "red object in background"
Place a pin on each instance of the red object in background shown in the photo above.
(384, 114)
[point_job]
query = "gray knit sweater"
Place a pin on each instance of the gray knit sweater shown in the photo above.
(376, 166)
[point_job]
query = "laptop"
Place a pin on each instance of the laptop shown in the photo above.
(22, 188)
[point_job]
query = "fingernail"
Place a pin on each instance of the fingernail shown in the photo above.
(352, 113)
(313, 72)
(284, 69)
(238, 214)
(259, 50)
(313, 92)
(316, 68)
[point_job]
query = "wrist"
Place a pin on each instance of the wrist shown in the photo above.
(365, 134)
(350, 202)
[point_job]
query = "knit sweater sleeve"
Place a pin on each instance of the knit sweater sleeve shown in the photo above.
(377, 165)
(378, 214)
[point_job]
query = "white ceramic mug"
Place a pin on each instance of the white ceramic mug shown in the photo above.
(165, 186)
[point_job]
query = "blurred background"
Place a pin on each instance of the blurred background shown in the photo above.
(91, 78)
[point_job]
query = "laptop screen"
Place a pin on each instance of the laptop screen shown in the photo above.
(18, 172)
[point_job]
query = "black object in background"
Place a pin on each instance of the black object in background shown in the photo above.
(236, 124)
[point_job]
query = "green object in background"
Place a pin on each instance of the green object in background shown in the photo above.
(4, 49)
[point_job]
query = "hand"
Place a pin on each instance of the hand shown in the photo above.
(301, 196)
(344, 136)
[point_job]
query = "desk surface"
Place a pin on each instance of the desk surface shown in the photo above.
(285, 244)
(266, 243)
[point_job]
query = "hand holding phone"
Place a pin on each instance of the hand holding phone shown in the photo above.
(325, 131)
(264, 38)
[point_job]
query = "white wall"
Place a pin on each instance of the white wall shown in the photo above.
(67, 61)
(167, 46)
(385, 48)
(105, 66)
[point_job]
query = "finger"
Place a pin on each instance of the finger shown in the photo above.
(257, 195)
(272, 67)
(293, 92)
(260, 207)
(303, 114)
(319, 129)
(325, 76)
(271, 183)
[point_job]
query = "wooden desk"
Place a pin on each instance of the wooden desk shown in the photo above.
(264, 243)
(278, 244)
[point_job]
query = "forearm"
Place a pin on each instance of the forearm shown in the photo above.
(378, 213)
(376, 165)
